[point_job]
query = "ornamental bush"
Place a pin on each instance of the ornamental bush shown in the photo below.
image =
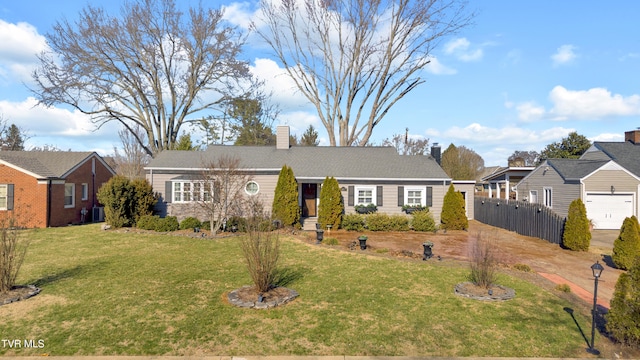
(125, 201)
(385, 222)
(331, 204)
(285, 199)
(627, 246)
(577, 236)
(169, 223)
(190, 223)
(453, 215)
(623, 319)
(353, 222)
(148, 222)
(423, 221)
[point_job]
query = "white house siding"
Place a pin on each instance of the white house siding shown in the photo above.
(562, 193)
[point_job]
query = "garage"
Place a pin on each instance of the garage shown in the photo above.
(608, 211)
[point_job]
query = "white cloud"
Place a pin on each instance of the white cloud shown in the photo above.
(437, 68)
(19, 45)
(595, 103)
(607, 137)
(565, 55)
(239, 14)
(529, 111)
(461, 48)
(284, 90)
(299, 121)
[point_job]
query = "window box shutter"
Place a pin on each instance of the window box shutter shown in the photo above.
(350, 201)
(400, 195)
(9, 196)
(168, 191)
(429, 196)
(379, 195)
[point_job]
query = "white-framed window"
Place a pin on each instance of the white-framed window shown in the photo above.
(3, 196)
(85, 191)
(548, 200)
(415, 196)
(252, 188)
(533, 196)
(191, 191)
(365, 195)
(69, 195)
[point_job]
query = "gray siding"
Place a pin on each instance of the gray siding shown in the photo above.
(602, 181)
(562, 193)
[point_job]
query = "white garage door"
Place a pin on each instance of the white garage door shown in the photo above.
(607, 211)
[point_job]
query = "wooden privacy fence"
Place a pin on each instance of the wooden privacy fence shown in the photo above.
(521, 217)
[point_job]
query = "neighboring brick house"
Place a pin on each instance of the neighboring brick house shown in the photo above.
(45, 189)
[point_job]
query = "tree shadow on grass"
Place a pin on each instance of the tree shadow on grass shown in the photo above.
(61, 275)
(285, 276)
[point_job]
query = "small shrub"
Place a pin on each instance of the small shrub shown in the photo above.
(483, 262)
(148, 222)
(169, 223)
(13, 249)
(522, 267)
(423, 221)
(577, 236)
(385, 222)
(206, 225)
(353, 222)
(261, 252)
(190, 223)
(623, 319)
(565, 288)
(331, 241)
(236, 223)
(382, 251)
(627, 246)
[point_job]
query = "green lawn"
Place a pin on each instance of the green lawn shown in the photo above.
(116, 293)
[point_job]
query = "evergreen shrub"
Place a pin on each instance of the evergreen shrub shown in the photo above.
(353, 222)
(623, 319)
(148, 222)
(169, 223)
(627, 246)
(423, 221)
(190, 223)
(285, 200)
(577, 236)
(453, 215)
(331, 204)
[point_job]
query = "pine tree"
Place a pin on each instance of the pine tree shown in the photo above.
(331, 204)
(576, 234)
(285, 199)
(623, 319)
(627, 246)
(453, 215)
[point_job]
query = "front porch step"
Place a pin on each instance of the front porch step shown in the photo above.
(309, 224)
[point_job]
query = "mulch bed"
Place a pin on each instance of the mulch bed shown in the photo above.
(17, 293)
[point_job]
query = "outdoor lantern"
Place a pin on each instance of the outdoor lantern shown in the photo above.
(319, 236)
(597, 271)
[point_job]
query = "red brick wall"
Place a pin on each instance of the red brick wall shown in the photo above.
(60, 215)
(30, 198)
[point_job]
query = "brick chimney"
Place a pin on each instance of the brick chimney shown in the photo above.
(282, 137)
(436, 153)
(633, 136)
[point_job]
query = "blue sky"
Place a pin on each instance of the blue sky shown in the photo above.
(525, 74)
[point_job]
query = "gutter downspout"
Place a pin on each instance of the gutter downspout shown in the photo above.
(48, 220)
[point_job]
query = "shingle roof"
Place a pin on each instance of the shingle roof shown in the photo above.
(312, 161)
(626, 154)
(45, 164)
(575, 168)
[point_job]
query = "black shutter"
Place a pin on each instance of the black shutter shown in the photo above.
(350, 201)
(400, 195)
(379, 196)
(9, 196)
(168, 191)
(429, 196)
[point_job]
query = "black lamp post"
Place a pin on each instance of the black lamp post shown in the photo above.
(597, 271)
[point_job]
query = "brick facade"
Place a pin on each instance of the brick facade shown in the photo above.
(31, 195)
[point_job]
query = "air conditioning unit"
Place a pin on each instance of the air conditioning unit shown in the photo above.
(98, 213)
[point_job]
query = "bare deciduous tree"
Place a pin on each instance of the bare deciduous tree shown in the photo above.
(406, 145)
(355, 59)
(134, 158)
(151, 66)
(222, 193)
